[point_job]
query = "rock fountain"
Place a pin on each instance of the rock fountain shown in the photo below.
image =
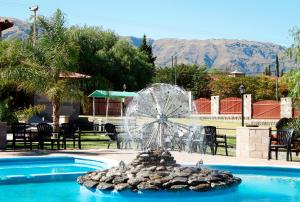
(155, 168)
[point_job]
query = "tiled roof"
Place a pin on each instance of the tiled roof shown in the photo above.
(74, 75)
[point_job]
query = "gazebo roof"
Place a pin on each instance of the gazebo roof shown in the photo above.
(112, 94)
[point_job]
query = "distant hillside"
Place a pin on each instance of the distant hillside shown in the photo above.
(225, 54)
(21, 29)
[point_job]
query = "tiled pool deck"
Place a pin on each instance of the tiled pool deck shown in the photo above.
(127, 155)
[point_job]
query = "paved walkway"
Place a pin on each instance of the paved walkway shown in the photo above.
(128, 155)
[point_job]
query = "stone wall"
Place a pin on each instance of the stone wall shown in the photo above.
(252, 142)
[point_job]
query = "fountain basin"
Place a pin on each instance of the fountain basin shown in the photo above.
(156, 170)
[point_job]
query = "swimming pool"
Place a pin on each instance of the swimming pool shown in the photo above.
(258, 184)
(40, 169)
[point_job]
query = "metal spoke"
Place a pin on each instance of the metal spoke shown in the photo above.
(151, 138)
(159, 102)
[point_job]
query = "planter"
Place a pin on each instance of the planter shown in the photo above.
(3, 134)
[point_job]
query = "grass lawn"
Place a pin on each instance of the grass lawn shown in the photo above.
(92, 141)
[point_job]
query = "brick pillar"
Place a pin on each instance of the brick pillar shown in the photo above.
(248, 106)
(286, 107)
(3, 133)
(215, 105)
(252, 142)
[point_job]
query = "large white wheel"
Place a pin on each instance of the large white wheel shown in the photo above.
(158, 110)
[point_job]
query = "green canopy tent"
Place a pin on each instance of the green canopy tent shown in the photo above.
(110, 95)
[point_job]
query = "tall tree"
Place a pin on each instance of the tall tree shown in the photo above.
(190, 77)
(147, 49)
(277, 68)
(292, 77)
(268, 70)
(277, 75)
(110, 61)
(38, 68)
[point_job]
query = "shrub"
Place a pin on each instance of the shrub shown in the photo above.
(6, 112)
(27, 113)
(294, 124)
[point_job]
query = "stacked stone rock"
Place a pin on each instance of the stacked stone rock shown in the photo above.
(157, 170)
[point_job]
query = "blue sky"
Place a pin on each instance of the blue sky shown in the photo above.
(259, 20)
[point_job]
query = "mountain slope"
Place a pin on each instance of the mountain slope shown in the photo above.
(21, 29)
(247, 56)
(225, 54)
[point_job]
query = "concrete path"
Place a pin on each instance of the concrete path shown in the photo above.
(128, 155)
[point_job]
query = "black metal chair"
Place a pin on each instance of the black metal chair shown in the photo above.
(19, 134)
(282, 141)
(111, 132)
(210, 133)
(213, 140)
(221, 141)
(68, 131)
(46, 134)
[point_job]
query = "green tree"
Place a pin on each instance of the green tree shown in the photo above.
(94, 56)
(277, 66)
(38, 68)
(294, 50)
(261, 87)
(190, 77)
(110, 61)
(147, 49)
(292, 78)
(268, 70)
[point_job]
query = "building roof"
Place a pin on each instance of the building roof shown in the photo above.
(5, 24)
(73, 75)
(237, 72)
(112, 94)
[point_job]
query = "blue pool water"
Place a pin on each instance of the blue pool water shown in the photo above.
(263, 184)
(37, 169)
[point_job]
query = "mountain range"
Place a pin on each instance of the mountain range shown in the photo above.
(223, 54)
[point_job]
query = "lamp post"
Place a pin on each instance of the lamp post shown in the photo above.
(34, 9)
(242, 90)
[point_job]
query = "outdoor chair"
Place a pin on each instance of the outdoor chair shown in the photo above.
(19, 134)
(214, 141)
(221, 141)
(185, 142)
(210, 138)
(68, 131)
(46, 134)
(111, 132)
(196, 140)
(282, 141)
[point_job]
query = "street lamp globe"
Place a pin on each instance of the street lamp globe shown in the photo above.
(242, 89)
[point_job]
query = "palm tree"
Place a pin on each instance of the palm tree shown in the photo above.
(37, 68)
